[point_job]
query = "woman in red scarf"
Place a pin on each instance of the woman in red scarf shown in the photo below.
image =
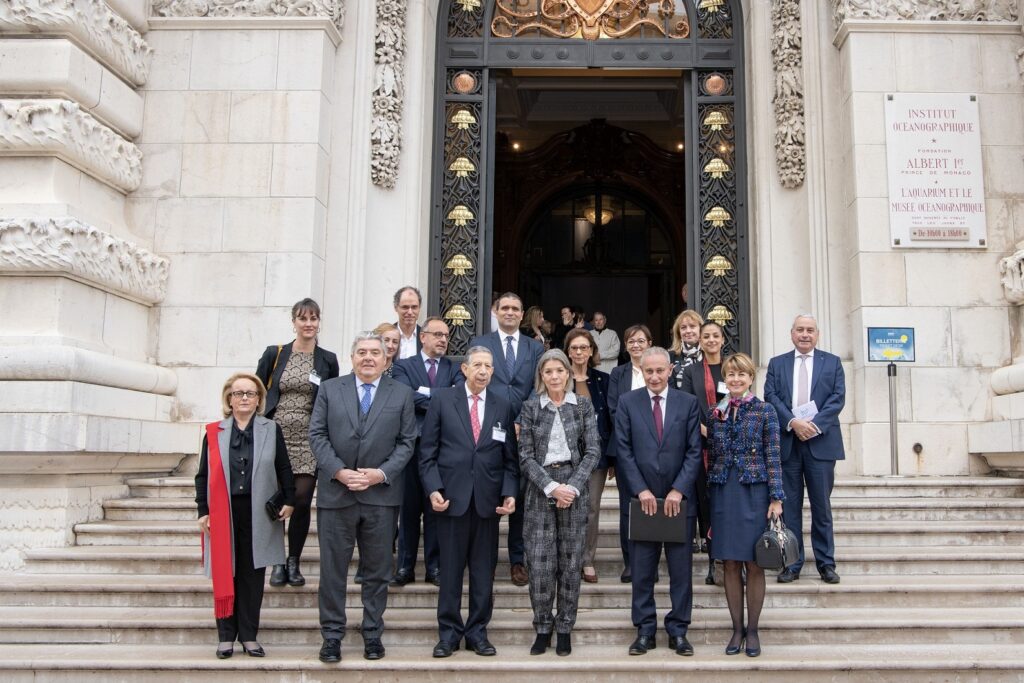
(244, 464)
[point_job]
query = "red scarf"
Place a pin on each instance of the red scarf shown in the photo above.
(220, 527)
(710, 396)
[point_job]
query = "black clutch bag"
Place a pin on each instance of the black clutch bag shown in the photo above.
(777, 547)
(274, 505)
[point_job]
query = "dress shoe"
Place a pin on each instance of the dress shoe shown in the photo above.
(563, 644)
(444, 649)
(482, 648)
(704, 547)
(710, 578)
(225, 653)
(278, 575)
(519, 575)
(434, 577)
(541, 644)
(734, 649)
(755, 649)
(626, 576)
(788, 576)
(256, 651)
(402, 577)
(295, 577)
(591, 576)
(642, 644)
(681, 645)
(828, 575)
(330, 651)
(373, 649)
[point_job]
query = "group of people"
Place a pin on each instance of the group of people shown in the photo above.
(411, 445)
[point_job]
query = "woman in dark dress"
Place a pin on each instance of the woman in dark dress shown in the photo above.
(292, 373)
(745, 483)
(704, 380)
(590, 382)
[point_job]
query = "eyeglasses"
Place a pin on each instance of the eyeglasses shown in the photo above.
(636, 342)
(244, 394)
(439, 335)
(585, 347)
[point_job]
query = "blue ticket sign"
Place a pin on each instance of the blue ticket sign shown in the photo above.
(891, 344)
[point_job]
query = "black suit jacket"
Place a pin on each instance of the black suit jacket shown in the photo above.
(518, 387)
(412, 373)
(693, 384)
(620, 381)
(325, 363)
(486, 472)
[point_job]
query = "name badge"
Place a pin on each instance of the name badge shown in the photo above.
(722, 389)
(498, 434)
(314, 378)
(424, 391)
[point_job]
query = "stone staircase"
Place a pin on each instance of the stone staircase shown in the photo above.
(932, 589)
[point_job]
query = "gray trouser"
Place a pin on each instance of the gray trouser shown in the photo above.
(372, 528)
(597, 481)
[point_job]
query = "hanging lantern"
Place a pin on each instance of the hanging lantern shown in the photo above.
(458, 315)
(459, 264)
(720, 314)
(716, 120)
(460, 214)
(717, 168)
(468, 5)
(711, 6)
(464, 119)
(718, 265)
(462, 167)
(717, 216)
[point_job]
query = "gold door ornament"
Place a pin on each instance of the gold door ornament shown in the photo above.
(589, 19)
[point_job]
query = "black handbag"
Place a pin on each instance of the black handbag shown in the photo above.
(274, 505)
(777, 547)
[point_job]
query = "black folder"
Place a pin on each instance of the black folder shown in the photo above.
(656, 527)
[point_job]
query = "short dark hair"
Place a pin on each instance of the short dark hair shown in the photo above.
(633, 329)
(432, 318)
(578, 333)
(408, 288)
(510, 295)
(306, 305)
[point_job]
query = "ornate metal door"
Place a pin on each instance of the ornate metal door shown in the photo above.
(702, 37)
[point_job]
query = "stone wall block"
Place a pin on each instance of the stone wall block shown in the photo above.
(275, 224)
(950, 394)
(305, 61)
(176, 117)
(293, 116)
(187, 336)
(246, 332)
(216, 280)
(879, 279)
(225, 170)
(161, 171)
(953, 279)
(923, 62)
(234, 60)
(981, 337)
(189, 225)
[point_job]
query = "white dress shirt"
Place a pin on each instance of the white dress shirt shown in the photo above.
(407, 345)
(664, 402)
(796, 375)
(638, 377)
(480, 406)
(504, 345)
(558, 445)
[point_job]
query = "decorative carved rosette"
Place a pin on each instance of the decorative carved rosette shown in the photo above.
(388, 92)
(328, 9)
(67, 246)
(61, 128)
(91, 22)
(932, 10)
(787, 60)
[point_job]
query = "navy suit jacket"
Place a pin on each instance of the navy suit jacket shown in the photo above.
(486, 472)
(620, 381)
(517, 388)
(412, 372)
(828, 391)
(643, 463)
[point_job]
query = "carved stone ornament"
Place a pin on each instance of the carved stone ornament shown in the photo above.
(388, 92)
(589, 19)
(925, 10)
(329, 9)
(68, 246)
(61, 128)
(91, 22)
(788, 62)
(1011, 271)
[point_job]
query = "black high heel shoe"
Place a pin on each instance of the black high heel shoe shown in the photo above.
(756, 650)
(563, 644)
(257, 651)
(225, 653)
(541, 644)
(735, 649)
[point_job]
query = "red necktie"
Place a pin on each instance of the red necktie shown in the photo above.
(474, 418)
(658, 423)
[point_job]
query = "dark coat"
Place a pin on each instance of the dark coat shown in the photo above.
(325, 364)
(828, 391)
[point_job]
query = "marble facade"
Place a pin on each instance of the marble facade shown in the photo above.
(174, 174)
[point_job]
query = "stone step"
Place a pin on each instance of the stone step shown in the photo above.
(159, 663)
(610, 627)
(103, 590)
(843, 509)
(181, 560)
(847, 534)
(854, 487)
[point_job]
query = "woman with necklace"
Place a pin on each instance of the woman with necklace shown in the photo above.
(685, 349)
(745, 482)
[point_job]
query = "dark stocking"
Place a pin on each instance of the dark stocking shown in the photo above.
(298, 525)
(755, 600)
(734, 597)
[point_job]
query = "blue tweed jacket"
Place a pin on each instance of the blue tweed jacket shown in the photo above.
(750, 442)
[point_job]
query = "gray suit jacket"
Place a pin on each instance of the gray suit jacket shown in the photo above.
(385, 440)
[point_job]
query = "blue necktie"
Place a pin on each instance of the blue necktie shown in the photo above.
(510, 356)
(364, 405)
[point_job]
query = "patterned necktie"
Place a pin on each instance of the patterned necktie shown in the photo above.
(802, 391)
(364, 404)
(474, 418)
(432, 372)
(510, 355)
(659, 425)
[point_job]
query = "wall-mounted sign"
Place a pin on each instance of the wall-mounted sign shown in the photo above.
(891, 344)
(936, 185)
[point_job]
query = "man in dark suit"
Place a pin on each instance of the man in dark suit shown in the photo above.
(408, 301)
(807, 386)
(515, 363)
(423, 374)
(657, 432)
(362, 432)
(468, 463)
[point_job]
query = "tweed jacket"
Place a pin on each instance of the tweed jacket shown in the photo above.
(750, 442)
(535, 432)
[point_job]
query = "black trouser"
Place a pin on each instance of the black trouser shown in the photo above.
(244, 624)
(703, 505)
(298, 525)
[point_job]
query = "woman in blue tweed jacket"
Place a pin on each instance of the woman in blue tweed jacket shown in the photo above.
(744, 471)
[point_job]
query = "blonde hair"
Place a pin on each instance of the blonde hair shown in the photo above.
(677, 340)
(385, 327)
(552, 355)
(740, 362)
(225, 403)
